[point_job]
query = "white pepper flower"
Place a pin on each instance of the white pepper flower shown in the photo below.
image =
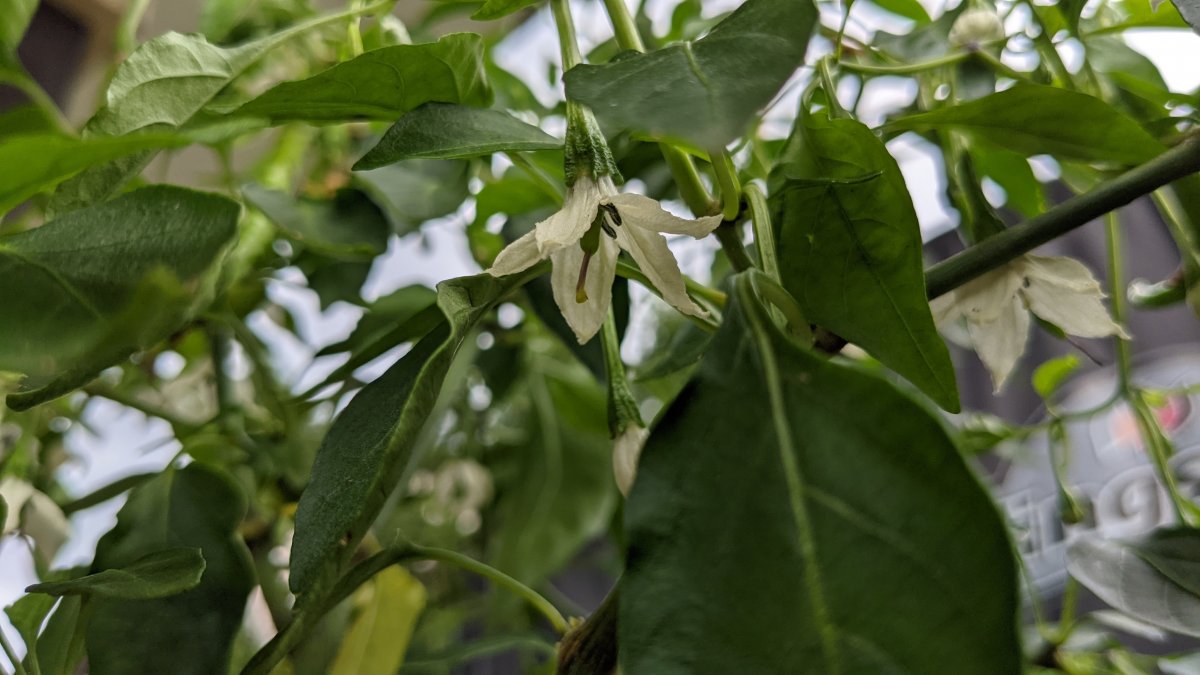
(976, 27)
(584, 238)
(997, 305)
(627, 448)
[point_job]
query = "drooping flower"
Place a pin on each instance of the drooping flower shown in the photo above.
(975, 27)
(997, 305)
(584, 238)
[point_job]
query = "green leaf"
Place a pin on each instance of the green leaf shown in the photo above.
(370, 445)
(349, 226)
(415, 191)
(555, 491)
(1150, 578)
(909, 9)
(1049, 376)
(17, 15)
(163, 84)
(494, 9)
(1012, 172)
(1190, 11)
(447, 131)
(383, 84)
(30, 164)
(27, 615)
(704, 92)
(850, 249)
(155, 575)
(377, 640)
(101, 283)
(1037, 119)
(844, 549)
(192, 632)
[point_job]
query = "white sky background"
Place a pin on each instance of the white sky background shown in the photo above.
(130, 443)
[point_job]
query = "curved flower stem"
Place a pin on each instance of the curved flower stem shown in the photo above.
(764, 233)
(1180, 161)
(731, 187)
(311, 613)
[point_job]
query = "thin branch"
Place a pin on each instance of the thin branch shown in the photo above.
(1176, 163)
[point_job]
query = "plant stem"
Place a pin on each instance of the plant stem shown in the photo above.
(567, 43)
(1180, 161)
(624, 26)
(825, 71)
(764, 233)
(18, 667)
(306, 618)
(106, 493)
(905, 68)
(38, 96)
(551, 188)
(731, 187)
(180, 425)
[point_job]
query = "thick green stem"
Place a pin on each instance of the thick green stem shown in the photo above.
(730, 236)
(624, 26)
(687, 180)
(622, 404)
(1180, 161)
(568, 44)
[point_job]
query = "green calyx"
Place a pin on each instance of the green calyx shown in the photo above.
(586, 151)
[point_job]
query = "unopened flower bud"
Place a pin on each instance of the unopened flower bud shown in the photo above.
(976, 27)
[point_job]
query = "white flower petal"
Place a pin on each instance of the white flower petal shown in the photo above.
(986, 297)
(945, 309)
(1060, 271)
(569, 223)
(627, 448)
(584, 318)
(657, 262)
(516, 257)
(1079, 313)
(649, 214)
(1001, 341)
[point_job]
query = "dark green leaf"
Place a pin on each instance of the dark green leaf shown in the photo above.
(1142, 578)
(771, 531)
(155, 575)
(30, 164)
(850, 251)
(705, 92)
(100, 283)
(348, 226)
(687, 345)
(447, 131)
(1036, 119)
(195, 507)
(383, 84)
(416, 191)
(60, 646)
(369, 447)
(1120, 15)
(163, 84)
(1176, 553)
(494, 9)
(27, 615)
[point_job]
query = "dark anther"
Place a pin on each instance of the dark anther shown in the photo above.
(611, 210)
